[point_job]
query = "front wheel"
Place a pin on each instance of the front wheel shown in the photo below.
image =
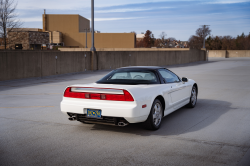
(193, 98)
(155, 116)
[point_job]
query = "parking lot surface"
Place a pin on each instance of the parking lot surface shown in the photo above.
(33, 131)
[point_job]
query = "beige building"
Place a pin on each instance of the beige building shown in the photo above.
(27, 39)
(55, 37)
(72, 28)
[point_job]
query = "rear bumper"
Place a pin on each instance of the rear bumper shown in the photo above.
(130, 111)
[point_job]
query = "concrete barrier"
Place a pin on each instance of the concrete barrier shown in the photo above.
(228, 53)
(26, 64)
(238, 53)
(116, 59)
(125, 49)
(217, 53)
(15, 65)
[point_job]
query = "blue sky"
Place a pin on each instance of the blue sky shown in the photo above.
(177, 18)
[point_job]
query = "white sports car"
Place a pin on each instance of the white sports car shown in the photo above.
(130, 95)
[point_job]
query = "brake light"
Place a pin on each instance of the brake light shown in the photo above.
(126, 96)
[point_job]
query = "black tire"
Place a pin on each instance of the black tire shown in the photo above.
(193, 98)
(155, 116)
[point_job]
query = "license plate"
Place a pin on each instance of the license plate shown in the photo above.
(94, 113)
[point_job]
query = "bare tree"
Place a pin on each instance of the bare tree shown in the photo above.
(163, 35)
(8, 19)
(171, 39)
(163, 41)
(147, 40)
(203, 32)
(195, 42)
(241, 42)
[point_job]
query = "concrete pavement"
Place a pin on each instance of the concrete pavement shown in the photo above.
(33, 131)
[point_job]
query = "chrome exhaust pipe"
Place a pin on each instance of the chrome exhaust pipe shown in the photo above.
(122, 124)
(73, 118)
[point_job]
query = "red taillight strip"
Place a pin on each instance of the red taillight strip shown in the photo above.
(126, 96)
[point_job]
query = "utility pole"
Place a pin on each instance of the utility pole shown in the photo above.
(92, 26)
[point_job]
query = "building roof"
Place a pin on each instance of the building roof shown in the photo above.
(25, 29)
(29, 31)
(140, 35)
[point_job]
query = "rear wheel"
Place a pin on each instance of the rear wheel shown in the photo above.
(155, 116)
(193, 98)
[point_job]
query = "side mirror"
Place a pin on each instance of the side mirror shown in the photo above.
(184, 79)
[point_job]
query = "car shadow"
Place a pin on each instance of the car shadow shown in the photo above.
(183, 120)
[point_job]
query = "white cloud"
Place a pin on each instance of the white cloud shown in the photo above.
(79, 4)
(129, 10)
(114, 19)
(55, 4)
(120, 10)
(227, 1)
(39, 19)
(32, 19)
(213, 13)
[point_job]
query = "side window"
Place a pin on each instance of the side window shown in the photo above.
(168, 76)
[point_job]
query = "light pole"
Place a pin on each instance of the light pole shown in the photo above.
(92, 26)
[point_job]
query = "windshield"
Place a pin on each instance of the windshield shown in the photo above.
(130, 76)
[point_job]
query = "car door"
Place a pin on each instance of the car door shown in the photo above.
(177, 91)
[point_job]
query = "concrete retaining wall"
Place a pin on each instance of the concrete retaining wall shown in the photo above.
(21, 65)
(26, 64)
(125, 49)
(229, 53)
(238, 53)
(116, 59)
(217, 53)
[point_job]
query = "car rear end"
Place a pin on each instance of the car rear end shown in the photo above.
(101, 105)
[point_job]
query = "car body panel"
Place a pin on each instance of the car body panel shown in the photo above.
(175, 95)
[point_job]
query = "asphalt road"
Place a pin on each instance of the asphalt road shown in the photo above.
(33, 131)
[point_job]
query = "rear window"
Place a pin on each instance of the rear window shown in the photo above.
(130, 76)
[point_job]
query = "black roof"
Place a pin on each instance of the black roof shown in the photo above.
(142, 67)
